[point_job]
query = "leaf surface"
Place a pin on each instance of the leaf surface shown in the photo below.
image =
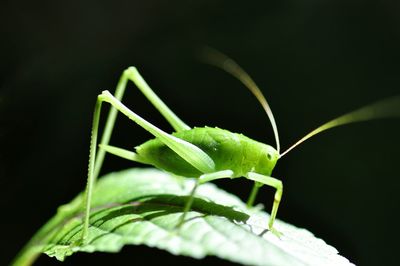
(143, 207)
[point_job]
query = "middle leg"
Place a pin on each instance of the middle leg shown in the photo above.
(201, 180)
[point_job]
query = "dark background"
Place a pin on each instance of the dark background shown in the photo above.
(314, 60)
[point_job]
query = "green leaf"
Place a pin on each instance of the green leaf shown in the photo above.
(143, 206)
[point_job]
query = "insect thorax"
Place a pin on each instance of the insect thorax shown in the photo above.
(228, 150)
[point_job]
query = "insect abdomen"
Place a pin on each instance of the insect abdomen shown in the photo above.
(210, 140)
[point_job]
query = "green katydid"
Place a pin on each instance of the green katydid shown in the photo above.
(205, 153)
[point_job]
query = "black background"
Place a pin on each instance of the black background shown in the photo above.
(314, 60)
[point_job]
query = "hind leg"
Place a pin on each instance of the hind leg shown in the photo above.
(189, 152)
(133, 75)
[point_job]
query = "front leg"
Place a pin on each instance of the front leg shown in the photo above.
(272, 182)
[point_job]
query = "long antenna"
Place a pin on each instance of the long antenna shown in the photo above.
(218, 59)
(389, 107)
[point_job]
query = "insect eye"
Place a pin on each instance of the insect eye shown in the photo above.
(269, 156)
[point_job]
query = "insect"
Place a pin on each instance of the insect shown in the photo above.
(205, 153)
